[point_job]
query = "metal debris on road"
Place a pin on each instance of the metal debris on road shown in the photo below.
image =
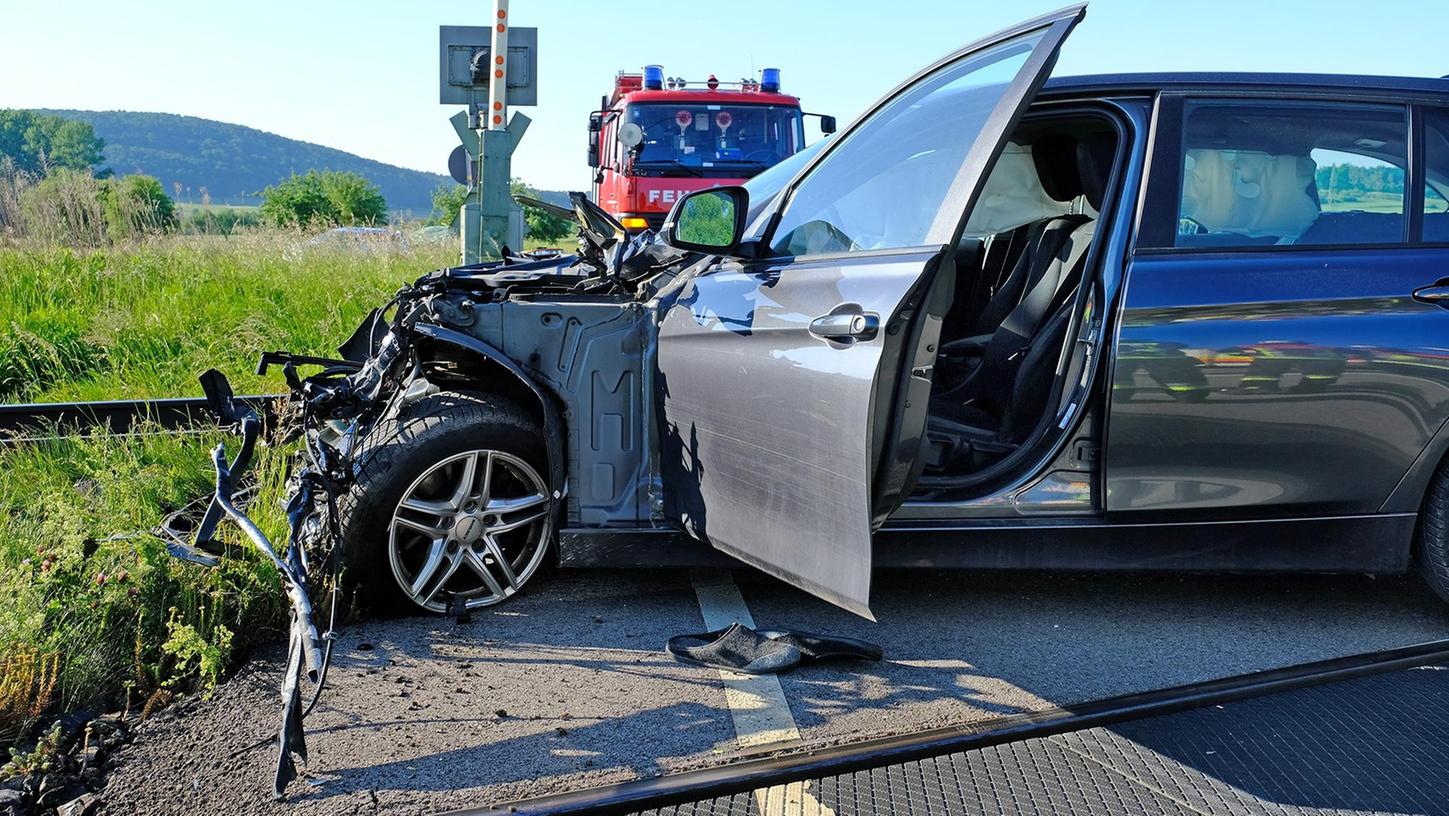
(306, 656)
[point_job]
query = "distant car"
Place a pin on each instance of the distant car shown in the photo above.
(355, 239)
(434, 234)
(1190, 321)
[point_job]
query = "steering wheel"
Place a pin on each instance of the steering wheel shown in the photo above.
(1198, 228)
(763, 155)
(818, 235)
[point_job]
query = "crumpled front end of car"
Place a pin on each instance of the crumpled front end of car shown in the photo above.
(552, 336)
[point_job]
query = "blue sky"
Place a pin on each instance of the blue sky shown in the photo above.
(361, 76)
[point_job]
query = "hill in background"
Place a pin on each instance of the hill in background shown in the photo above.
(234, 162)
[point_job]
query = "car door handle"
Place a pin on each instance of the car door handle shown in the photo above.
(845, 326)
(1438, 293)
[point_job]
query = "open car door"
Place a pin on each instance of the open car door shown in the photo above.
(793, 389)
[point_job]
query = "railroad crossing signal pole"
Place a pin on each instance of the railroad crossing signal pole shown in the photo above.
(489, 78)
(489, 219)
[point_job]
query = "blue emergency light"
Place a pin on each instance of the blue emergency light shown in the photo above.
(770, 80)
(653, 77)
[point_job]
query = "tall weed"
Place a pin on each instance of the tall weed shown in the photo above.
(90, 619)
(144, 319)
(88, 608)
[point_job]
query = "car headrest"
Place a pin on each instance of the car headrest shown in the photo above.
(1249, 192)
(1012, 195)
(1055, 157)
(1094, 164)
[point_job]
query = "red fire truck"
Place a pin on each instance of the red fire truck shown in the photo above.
(656, 138)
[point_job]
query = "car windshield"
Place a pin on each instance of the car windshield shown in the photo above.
(764, 187)
(701, 135)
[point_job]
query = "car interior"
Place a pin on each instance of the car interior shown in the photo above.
(1020, 266)
(1003, 369)
(1252, 178)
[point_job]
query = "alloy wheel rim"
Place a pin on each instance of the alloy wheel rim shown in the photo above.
(475, 525)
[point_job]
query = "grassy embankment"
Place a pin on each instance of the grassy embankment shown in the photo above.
(89, 620)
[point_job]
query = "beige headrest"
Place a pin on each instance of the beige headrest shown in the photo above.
(1249, 192)
(1013, 195)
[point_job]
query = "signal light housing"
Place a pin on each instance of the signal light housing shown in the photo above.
(653, 77)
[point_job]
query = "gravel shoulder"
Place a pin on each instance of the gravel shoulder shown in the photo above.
(560, 687)
(567, 686)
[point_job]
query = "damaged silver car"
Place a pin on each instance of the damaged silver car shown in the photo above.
(915, 345)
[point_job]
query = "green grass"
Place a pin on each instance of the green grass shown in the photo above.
(143, 321)
(186, 208)
(90, 620)
(194, 214)
(1366, 202)
(85, 615)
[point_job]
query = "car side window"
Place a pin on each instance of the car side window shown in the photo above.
(1262, 173)
(1349, 182)
(884, 183)
(1434, 201)
(1436, 175)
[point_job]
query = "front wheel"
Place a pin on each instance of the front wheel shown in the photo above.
(451, 503)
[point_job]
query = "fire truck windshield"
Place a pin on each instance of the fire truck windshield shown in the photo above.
(743, 139)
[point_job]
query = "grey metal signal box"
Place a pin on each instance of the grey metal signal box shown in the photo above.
(457, 48)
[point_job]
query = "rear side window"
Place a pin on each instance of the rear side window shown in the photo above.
(1268, 173)
(1436, 176)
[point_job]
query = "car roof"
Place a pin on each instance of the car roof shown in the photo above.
(1153, 82)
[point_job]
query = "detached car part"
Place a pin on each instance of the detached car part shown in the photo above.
(484, 509)
(304, 654)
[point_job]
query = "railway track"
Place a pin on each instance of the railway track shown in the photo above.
(27, 422)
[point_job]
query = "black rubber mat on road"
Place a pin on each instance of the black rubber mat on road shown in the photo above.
(1377, 744)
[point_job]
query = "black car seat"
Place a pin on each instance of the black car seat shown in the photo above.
(1356, 228)
(959, 364)
(984, 267)
(1056, 166)
(1006, 396)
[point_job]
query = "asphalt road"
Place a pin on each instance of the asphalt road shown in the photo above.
(567, 686)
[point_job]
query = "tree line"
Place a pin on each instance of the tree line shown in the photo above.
(37, 143)
(53, 185)
(542, 225)
(1360, 178)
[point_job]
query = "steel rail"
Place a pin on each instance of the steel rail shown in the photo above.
(24, 422)
(753, 774)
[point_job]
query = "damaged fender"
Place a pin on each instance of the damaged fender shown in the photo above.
(552, 422)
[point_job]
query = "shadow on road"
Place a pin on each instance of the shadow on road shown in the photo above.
(963, 646)
(567, 686)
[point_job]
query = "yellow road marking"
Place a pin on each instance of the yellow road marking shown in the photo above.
(756, 701)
